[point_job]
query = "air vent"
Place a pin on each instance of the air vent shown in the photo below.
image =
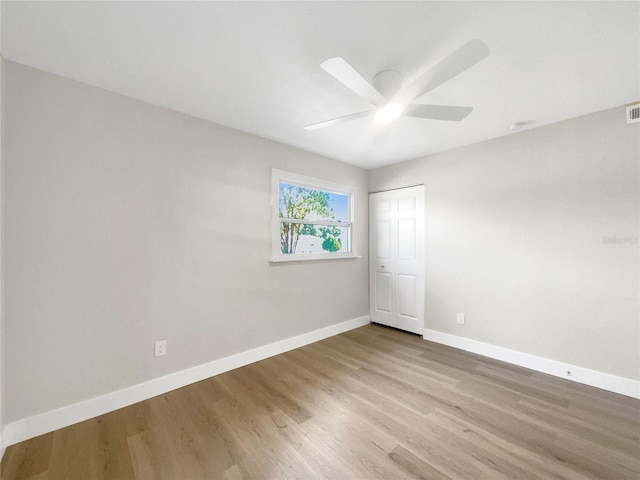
(633, 113)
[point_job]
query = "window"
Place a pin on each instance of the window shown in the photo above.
(312, 218)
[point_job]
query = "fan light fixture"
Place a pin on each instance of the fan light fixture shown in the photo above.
(389, 113)
(391, 99)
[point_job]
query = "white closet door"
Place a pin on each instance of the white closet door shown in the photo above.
(396, 258)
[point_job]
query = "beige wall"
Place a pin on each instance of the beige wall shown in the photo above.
(534, 237)
(127, 223)
(1, 270)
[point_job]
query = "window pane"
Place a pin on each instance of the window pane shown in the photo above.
(301, 238)
(311, 204)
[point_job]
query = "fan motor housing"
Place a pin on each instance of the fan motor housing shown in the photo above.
(387, 82)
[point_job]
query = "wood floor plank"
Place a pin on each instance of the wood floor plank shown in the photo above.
(72, 451)
(30, 461)
(372, 403)
(418, 436)
(177, 431)
(148, 452)
(414, 466)
(604, 434)
(261, 438)
(216, 443)
(111, 453)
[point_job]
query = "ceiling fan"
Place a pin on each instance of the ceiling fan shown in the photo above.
(391, 101)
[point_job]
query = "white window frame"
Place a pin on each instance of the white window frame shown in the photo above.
(278, 176)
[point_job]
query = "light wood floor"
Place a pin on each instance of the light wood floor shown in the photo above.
(370, 403)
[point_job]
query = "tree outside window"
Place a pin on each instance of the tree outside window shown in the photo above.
(314, 222)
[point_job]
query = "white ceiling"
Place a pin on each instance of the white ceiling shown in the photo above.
(255, 66)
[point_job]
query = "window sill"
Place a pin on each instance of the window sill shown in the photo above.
(312, 258)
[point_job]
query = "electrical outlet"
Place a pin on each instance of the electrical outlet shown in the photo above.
(461, 319)
(161, 348)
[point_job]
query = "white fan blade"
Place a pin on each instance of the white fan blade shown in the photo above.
(333, 121)
(347, 75)
(464, 57)
(438, 112)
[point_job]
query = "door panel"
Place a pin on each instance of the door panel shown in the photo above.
(406, 202)
(383, 234)
(407, 239)
(407, 295)
(384, 205)
(396, 258)
(383, 292)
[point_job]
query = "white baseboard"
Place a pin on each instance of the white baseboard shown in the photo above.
(594, 378)
(30, 427)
